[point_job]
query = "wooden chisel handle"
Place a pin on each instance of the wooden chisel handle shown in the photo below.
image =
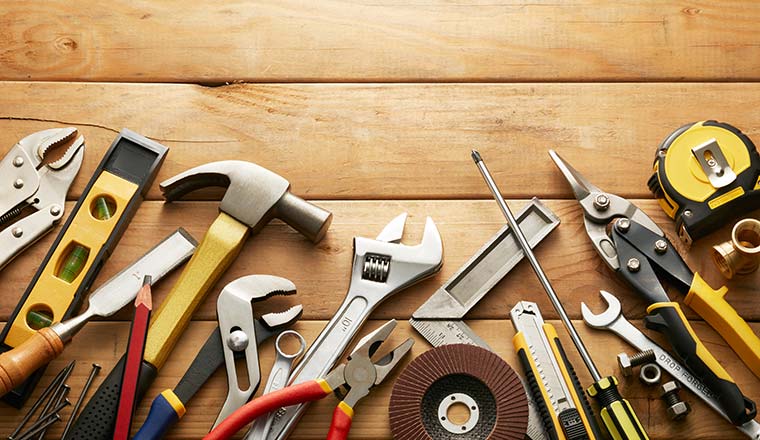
(18, 364)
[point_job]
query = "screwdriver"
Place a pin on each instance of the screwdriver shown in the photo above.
(617, 414)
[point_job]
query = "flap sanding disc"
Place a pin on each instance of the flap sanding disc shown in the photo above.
(461, 374)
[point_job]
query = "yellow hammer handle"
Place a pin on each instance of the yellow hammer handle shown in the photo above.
(17, 364)
(217, 250)
(712, 306)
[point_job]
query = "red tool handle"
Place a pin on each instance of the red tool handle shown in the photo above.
(341, 422)
(292, 395)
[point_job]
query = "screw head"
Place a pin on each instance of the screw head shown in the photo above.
(55, 210)
(17, 232)
(660, 246)
(633, 265)
(237, 341)
(18, 161)
(18, 184)
(623, 225)
(601, 202)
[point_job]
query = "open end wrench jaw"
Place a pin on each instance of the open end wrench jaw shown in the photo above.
(385, 267)
(606, 318)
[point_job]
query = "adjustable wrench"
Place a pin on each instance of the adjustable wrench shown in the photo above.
(381, 267)
(613, 320)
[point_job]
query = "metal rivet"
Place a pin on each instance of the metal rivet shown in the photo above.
(660, 246)
(17, 232)
(237, 341)
(662, 153)
(55, 210)
(18, 184)
(687, 213)
(18, 161)
(601, 202)
(634, 265)
(623, 224)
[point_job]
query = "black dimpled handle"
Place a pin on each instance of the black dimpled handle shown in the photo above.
(98, 419)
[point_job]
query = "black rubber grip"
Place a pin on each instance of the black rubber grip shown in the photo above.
(572, 424)
(585, 405)
(538, 397)
(668, 320)
(98, 419)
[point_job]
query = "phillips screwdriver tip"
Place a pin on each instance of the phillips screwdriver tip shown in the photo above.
(476, 156)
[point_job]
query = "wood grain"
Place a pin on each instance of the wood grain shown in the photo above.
(401, 41)
(399, 141)
(321, 271)
(105, 342)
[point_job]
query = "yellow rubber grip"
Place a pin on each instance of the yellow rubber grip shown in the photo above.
(217, 250)
(699, 348)
(552, 336)
(711, 305)
(617, 414)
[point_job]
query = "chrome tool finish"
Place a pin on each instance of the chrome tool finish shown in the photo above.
(278, 379)
(612, 319)
(407, 265)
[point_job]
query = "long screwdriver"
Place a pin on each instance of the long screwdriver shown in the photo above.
(617, 414)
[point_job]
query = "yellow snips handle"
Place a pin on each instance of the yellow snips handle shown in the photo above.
(711, 305)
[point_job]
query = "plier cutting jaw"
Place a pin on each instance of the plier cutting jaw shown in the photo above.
(600, 209)
(634, 246)
(25, 181)
(352, 380)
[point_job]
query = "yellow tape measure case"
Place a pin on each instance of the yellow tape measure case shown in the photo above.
(85, 242)
(705, 174)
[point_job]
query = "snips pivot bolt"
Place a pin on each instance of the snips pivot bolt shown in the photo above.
(633, 265)
(660, 246)
(601, 202)
(623, 225)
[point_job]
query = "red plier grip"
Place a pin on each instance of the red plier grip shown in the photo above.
(341, 422)
(292, 395)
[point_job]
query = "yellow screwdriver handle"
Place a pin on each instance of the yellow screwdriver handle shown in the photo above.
(18, 364)
(617, 414)
(217, 250)
(712, 306)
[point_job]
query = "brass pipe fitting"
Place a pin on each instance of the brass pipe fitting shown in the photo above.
(741, 254)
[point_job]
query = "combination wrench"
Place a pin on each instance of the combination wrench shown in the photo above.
(278, 379)
(381, 268)
(613, 320)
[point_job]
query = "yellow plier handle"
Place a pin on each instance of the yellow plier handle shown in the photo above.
(712, 306)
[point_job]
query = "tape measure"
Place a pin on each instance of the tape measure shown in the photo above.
(706, 174)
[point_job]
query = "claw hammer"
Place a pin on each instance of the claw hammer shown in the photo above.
(254, 196)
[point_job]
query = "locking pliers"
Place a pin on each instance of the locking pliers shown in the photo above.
(27, 182)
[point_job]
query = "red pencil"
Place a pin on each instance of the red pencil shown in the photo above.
(135, 351)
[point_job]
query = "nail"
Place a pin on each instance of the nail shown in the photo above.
(53, 385)
(73, 416)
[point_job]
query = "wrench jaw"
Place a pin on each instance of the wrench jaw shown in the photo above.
(237, 328)
(606, 318)
(381, 268)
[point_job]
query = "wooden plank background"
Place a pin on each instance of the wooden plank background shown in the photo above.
(370, 109)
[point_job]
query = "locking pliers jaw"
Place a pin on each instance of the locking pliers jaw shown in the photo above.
(27, 182)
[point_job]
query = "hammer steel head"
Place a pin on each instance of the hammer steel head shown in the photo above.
(254, 196)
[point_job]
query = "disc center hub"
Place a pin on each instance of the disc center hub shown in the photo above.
(452, 401)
